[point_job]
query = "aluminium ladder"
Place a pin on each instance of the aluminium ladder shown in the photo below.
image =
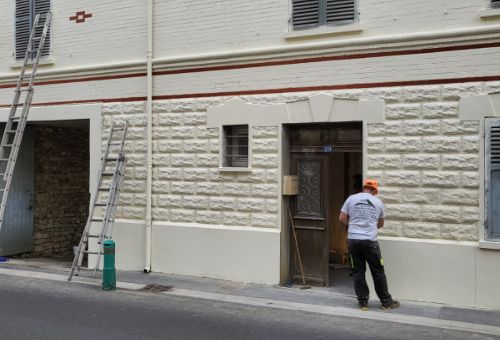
(105, 200)
(16, 123)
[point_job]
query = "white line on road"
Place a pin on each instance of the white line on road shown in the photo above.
(387, 316)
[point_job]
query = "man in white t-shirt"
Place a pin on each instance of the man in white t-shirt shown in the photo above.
(364, 214)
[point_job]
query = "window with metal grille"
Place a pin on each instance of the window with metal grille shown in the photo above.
(492, 177)
(235, 146)
(495, 3)
(26, 10)
(314, 13)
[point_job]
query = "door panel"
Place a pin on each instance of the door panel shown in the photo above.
(309, 211)
(16, 235)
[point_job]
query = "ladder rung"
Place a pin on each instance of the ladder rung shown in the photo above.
(107, 173)
(104, 189)
(101, 204)
(92, 236)
(115, 143)
(96, 220)
(10, 131)
(112, 158)
(91, 252)
(8, 145)
(4, 159)
(18, 104)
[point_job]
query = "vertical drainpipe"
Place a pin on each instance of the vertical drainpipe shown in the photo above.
(149, 136)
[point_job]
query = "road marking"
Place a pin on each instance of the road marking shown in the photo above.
(387, 316)
(64, 278)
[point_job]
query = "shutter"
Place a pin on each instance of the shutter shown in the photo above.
(42, 7)
(26, 10)
(23, 20)
(493, 178)
(306, 13)
(495, 3)
(340, 11)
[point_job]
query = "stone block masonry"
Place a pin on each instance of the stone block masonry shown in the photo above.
(188, 186)
(61, 197)
(426, 159)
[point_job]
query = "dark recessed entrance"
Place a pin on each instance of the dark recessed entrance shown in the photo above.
(327, 160)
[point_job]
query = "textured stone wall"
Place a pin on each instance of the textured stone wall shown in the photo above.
(61, 190)
(426, 159)
(188, 186)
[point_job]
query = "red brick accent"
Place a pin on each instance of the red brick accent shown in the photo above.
(80, 17)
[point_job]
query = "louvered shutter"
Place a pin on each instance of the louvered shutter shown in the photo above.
(26, 10)
(23, 20)
(495, 3)
(42, 7)
(492, 138)
(306, 13)
(340, 12)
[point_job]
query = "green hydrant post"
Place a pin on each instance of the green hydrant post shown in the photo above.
(109, 270)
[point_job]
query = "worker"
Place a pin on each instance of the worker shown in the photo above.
(364, 214)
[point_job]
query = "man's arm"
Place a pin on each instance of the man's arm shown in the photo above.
(380, 223)
(344, 219)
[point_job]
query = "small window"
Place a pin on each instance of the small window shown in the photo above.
(26, 10)
(315, 13)
(495, 3)
(235, 146)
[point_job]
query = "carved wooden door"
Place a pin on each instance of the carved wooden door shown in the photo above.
(309, 211)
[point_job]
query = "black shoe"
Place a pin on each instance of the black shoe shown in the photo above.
(392, 305)
(363, 305)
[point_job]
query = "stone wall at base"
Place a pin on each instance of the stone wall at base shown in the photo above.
(61, 190)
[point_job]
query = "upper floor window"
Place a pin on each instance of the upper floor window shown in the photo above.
(26, 10)
(315, 13)
(495, 3)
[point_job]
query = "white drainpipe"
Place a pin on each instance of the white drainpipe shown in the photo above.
(149, 136)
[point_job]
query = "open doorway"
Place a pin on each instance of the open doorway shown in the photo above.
(47, 208)
(327, 162)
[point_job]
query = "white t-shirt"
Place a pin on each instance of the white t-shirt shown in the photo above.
(364, 211)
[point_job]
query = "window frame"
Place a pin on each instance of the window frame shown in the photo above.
(240, 165)
(489, 122)
(323, 18)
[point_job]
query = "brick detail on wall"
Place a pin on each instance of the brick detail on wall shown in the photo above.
(61, 189)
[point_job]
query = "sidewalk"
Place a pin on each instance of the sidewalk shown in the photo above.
(316, 300)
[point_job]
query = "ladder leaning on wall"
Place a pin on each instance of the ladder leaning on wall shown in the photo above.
(105, 199)
(23, 96)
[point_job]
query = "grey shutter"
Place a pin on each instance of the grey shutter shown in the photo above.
(26, 10)
(23, 20)
(42, 7)
(495, 3)
(492, 138)
(339, 12)
(306, 13)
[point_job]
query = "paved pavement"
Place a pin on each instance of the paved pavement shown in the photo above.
(316, 301)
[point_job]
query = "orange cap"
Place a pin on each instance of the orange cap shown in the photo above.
(371, 183)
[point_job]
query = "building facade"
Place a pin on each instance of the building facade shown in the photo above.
(231, 103)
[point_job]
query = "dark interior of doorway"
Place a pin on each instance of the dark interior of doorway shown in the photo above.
(346, 179)
(61, 196)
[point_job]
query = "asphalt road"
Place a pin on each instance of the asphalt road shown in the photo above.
(41, 309)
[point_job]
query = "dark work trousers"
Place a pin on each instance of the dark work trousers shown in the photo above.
(363, 251)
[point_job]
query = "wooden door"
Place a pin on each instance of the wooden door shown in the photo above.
(309, 210)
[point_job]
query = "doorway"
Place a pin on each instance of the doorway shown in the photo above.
(327, 162)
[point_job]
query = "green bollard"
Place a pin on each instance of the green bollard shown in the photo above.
(109, 270)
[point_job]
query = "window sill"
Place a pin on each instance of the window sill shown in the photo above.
(44, 61)
(234, 169)
(324, 31)
(489, 13)
(489, 245)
